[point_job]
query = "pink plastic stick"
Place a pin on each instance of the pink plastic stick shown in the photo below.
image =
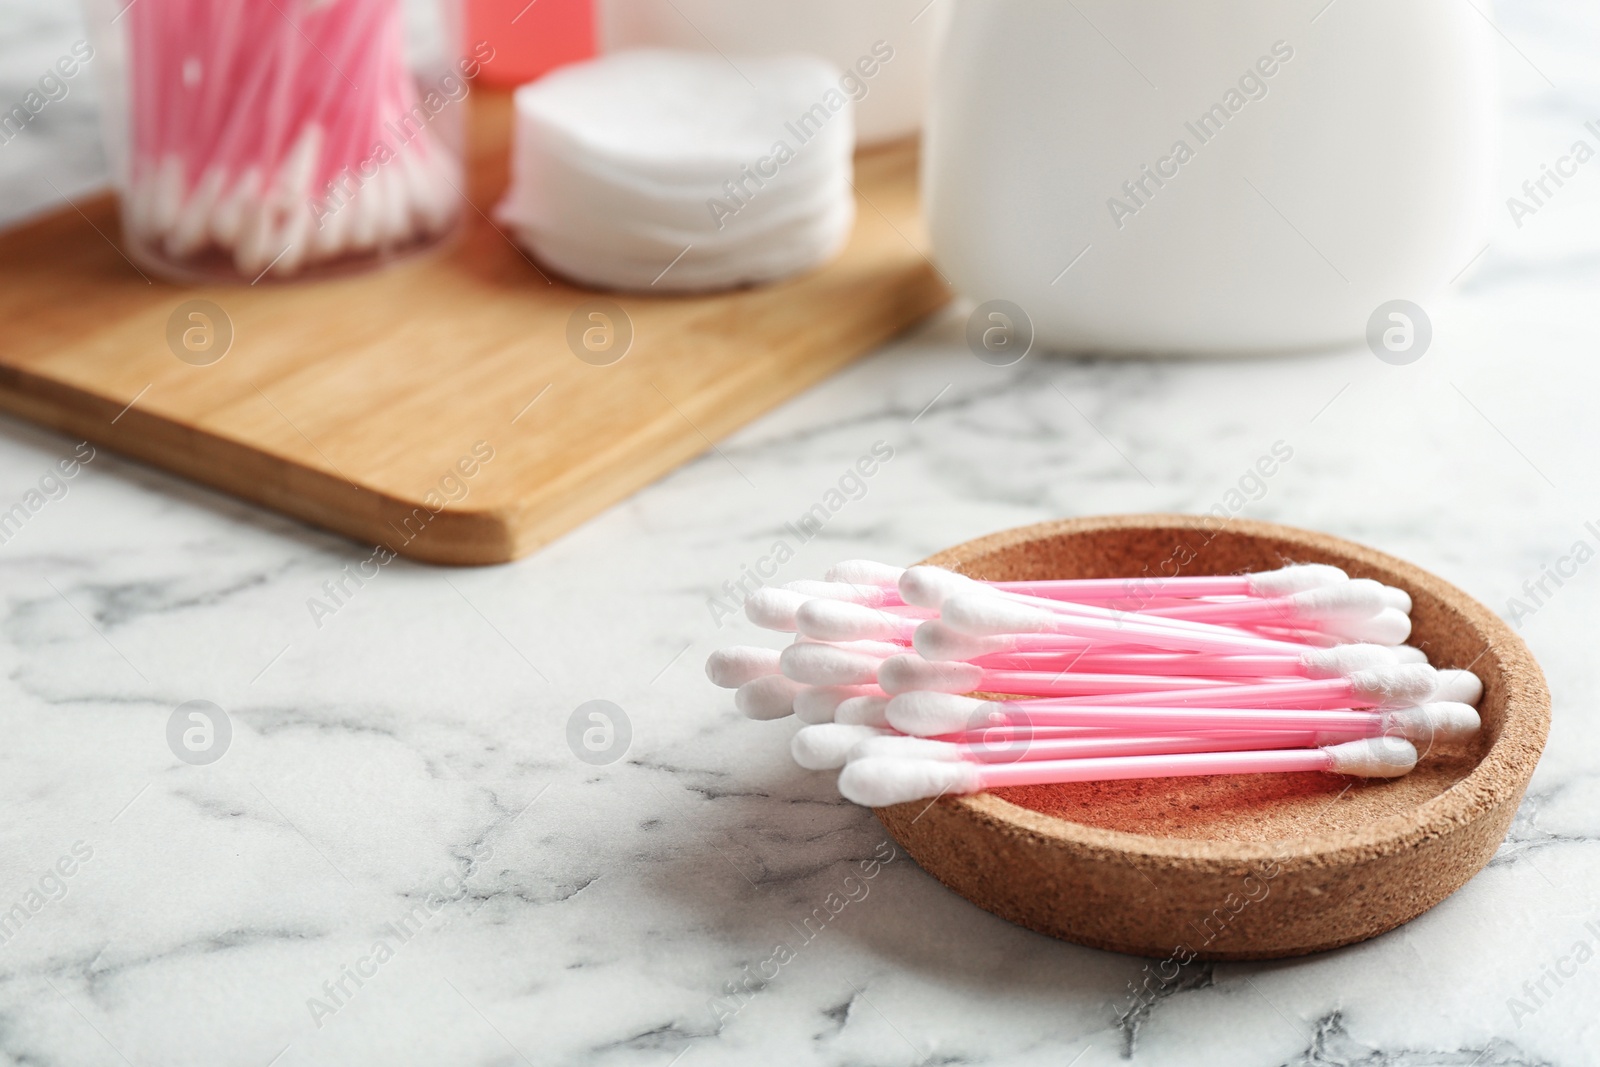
(1016, 733)
(1081, 683)
(1165, 663)
(1128, 630)
(1051, 772)
(1022, 715)
(1330, 692)
(1099, 611)
(1136, 589)
(1058, 748)
(1274, 610)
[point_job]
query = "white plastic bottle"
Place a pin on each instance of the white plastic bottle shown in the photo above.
(1212, 175)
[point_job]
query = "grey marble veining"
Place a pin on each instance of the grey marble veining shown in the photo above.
(400, 774)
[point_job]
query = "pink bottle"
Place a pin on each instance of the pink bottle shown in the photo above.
(530, 38)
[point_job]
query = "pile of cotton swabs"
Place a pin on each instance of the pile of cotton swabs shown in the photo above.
(1297, 669)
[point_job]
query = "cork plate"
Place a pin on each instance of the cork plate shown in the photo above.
(1240, 867)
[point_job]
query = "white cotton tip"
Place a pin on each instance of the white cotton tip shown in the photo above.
(988, 616)
(1463, 687)
(864, 572)
(892, 747)
(820, 703)
(1395, 598)
(734, 666)
(937, 641)
(909, 674)
(771, 697)
(1399, 686)
(1295, 578)
(1341, 660)
(879, 783)
(834, 620)
(1408, 654)
(1358, 599)
(168, 200)
(930, 587)
(227, 221)
(826, 747)
(814, 664)
(864, 711)
(932, 714)
(871, 596)
(1435, 721)
(1387, 627)
(1372, 757)
(189, 235)
(879, 650)
(774, 609)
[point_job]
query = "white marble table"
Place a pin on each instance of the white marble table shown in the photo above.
(214, 911)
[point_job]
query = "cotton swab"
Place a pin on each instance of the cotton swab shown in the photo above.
(820, 703)
(864, 572)
(1283, 593)
(936, 641)
(1294, 578)
(1343, 608)
(734, 666)
(768, 697)
(871, 596)
(1358, 598)
(820, 664)
(1081, 747)
(774, 609)
(863, 711)
(881, 782)
(1385, 687)
(935, 714)
(825, 747)
(986, 615)
(829, 746)
(836, 620)
(930, 585)
(281, 135)
(1461, 686)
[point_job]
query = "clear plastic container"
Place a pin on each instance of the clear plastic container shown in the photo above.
(282, 139)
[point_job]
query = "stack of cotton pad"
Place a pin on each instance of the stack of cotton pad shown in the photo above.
(675, 171)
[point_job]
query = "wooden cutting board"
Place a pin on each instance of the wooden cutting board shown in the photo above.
(368, 404)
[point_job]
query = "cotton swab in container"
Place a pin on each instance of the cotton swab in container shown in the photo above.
(268, 137)
(986, 615)
(1390, 687)
(732, 667)
(935, 714)
(768, 697)
(821, 703)
(936, 640)
(906, 672)
(1357, 610)
(978, 750)
(880, 782)
(829, 746)
(1293, 578)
